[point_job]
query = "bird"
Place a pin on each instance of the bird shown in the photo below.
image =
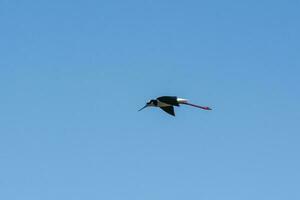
(167, 103)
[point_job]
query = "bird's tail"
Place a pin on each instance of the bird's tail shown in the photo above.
(201, 107)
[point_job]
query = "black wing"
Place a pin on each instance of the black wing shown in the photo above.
(169, 100)
(169, 110)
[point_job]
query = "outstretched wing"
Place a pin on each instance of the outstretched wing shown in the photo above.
(169, 100)
(169, 110)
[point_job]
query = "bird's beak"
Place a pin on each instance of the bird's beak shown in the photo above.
(143, 107)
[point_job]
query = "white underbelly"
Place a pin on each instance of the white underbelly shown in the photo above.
(161, 104)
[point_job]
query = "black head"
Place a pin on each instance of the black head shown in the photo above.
(151, 103)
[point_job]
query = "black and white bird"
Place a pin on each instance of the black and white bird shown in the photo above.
(167, 103)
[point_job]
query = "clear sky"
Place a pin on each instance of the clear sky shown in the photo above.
(74, 73)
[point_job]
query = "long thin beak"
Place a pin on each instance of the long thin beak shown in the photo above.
(143, 107)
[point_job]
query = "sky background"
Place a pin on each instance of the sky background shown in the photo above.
(74, 73)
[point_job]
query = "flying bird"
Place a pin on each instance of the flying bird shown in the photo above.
(167, 103)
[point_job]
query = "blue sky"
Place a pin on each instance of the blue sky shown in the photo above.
(74, 74)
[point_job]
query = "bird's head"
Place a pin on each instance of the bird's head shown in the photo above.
(151, 103)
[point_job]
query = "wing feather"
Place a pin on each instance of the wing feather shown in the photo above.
(169, 110)
(169, 100)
